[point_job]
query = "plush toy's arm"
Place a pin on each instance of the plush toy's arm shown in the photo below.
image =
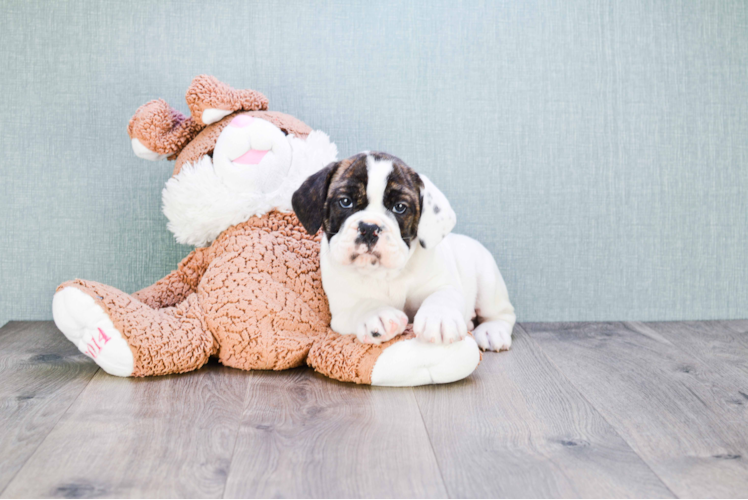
(160, 132)
(179, 284)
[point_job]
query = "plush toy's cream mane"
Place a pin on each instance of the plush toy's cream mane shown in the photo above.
(200, 206)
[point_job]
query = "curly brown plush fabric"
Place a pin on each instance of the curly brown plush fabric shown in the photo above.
(207, 92)
(177, 285)
(262, 293)
(254, 298)
(161, 128)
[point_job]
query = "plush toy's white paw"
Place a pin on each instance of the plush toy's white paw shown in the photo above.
(439, 325)
(493, 336)
(413, 362)
(212, 115)
(86, 325)
(381, 325)
(141, 151)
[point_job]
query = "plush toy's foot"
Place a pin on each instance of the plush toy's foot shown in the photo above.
(401, 362)
(86, 325)
(414, 362)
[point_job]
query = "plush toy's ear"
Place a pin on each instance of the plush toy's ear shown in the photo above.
(309, 200)
(158, 131)
(437, 217)
(210, 100)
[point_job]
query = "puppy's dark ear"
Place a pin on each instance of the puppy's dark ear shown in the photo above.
(309, 200)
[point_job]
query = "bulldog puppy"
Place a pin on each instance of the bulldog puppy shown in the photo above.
(387, 257)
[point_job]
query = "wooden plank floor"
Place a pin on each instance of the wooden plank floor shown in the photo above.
(573, 410)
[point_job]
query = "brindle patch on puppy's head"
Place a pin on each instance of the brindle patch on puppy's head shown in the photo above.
(403, 188)
(310, 199)
(348, 185)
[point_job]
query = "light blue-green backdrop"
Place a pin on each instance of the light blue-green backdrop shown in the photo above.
(598, 148)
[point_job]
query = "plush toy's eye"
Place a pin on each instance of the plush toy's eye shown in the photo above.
(400, 208)
(346, 203)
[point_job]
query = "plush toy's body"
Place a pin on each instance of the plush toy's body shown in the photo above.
(254, 296)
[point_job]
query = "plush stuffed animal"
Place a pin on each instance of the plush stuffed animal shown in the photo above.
(251, 294)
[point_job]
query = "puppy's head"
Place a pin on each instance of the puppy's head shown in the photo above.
(374, 210)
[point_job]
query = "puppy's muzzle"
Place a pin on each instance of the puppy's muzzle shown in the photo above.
(368, 234)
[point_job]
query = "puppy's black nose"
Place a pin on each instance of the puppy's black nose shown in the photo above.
(368, 233)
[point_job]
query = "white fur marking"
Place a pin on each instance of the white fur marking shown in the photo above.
(377, 172)
(435, 222)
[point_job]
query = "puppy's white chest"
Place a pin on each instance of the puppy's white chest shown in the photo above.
(393, 293)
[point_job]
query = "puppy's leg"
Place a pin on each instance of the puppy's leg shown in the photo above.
(495, 312)
(439, 319)
(371, 321)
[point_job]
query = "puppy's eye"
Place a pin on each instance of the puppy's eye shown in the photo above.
(345, 203)
(400, 208)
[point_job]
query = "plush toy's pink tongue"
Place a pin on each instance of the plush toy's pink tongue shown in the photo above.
(251, 157)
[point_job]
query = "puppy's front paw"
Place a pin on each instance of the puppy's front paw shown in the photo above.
(381, 325)
(493, 336)
(439, 326)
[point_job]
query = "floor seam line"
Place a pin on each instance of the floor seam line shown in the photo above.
(632, 325)
(599, 412)
(236, 434)
(431, 444)
(62, 414)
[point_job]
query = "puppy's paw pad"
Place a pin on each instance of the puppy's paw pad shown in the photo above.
(381, 325)
(493, 336)
(86, 324)
(439, 326)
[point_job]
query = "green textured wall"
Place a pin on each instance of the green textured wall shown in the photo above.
(598, 149)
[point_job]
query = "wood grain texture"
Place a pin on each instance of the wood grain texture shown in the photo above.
(723, 345)
(613, 409)
(167, 436)
(675, 410)
(41, 374)
(518, 428)
(304, 435)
